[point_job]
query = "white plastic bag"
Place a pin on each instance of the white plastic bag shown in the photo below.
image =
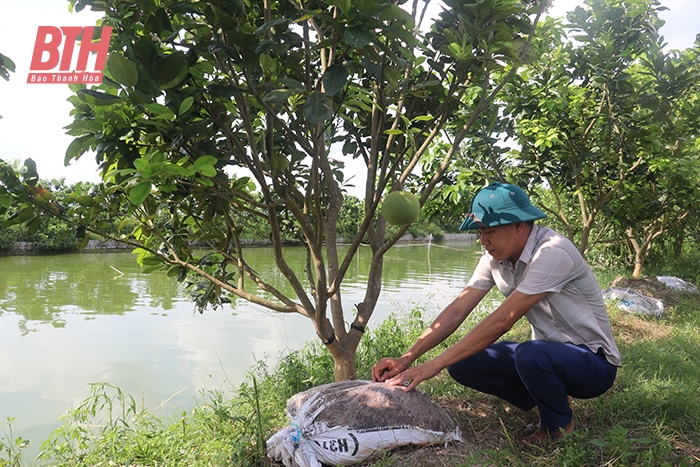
(634, 302)
(676, 283)
(345, 423)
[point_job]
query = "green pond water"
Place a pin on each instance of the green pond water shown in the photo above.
(73, 319)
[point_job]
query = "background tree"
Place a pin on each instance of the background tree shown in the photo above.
(214, 109)
(664, 199)
(606, 125)
(579, 128)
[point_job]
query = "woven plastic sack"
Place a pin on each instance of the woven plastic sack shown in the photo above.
(344, 423)
(677, 284)
(634, 302)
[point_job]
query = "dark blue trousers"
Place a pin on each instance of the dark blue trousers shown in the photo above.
(537, 373)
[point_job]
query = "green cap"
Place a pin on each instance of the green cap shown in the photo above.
(500, 204)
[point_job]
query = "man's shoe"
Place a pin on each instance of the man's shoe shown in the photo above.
(543, 435)
(538, 426)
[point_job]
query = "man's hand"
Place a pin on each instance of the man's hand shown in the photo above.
(445, 324)
(387, 368)
(412, 377)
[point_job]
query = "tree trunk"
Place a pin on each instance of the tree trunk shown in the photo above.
(679, 238)
(343, 362)
(586, 223)
(638, 266)
(641, 250)
(585, 236)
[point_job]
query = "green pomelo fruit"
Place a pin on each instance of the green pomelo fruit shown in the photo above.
(400, 208)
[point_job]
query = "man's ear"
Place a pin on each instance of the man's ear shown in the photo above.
(520, 227)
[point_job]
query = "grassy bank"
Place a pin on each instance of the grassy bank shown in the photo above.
(651, 416)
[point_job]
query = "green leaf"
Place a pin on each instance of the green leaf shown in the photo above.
(219, 90)
(208, 171)
(150, 269)
(142, 165)
(279, 95)
(33, 225)
(279, 163)
(122, 69)
(205, 160)
(83, 240)
(139, 193)
(334, 79)
(146, 51)
(123, 224)
(204, 181)
(97, 98)
(272, 24)
(245, 45)
(169, 71)
(185, 105)
(174, 168)
(5, 200)
(369, 8)
(29, 172)
(76, 148)
(396, 13)
(292, 84)
(357, 38)
(423, 118)
(344, 5)
(173, 271)
(103, 225)
(241, 183)
(6, 65)
(317, 108)
(205, 165)
(269, 64)
(141, 255)
(5, 62)
(18, 217)
(161, 112)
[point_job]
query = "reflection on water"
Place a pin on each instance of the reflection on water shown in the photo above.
(44, 289)
(69, 320)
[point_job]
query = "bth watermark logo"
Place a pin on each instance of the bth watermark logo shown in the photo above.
(51, 63)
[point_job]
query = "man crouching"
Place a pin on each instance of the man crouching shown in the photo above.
(544, 278)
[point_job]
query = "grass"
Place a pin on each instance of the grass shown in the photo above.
(650, 417)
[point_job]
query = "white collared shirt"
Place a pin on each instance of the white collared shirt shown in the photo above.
(573, 310)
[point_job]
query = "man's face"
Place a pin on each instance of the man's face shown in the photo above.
(502, 241)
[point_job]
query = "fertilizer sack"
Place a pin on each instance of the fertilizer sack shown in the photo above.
(677, 284)
(344, 423)
(634, 302)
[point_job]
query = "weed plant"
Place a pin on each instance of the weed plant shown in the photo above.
(8, 237)
(10, 447)
(650, 417)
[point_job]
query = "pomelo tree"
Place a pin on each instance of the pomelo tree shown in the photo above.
(607, 122)
(212, 111)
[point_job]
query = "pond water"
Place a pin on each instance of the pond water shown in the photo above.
(73, 319)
